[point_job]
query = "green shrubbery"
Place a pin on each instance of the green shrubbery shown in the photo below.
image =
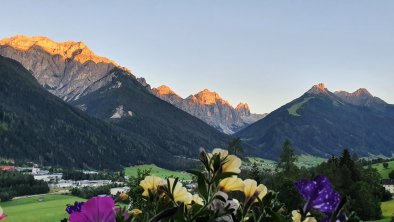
(17, 184)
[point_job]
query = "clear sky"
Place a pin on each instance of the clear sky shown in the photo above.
(265, 53)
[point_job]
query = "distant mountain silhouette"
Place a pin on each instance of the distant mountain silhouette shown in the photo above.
(323, 123)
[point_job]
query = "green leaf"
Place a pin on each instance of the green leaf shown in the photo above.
(164, 214)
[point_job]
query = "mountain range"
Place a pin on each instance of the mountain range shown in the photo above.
(110, 93)
(63, 105)
(323, 123)
(211, 108)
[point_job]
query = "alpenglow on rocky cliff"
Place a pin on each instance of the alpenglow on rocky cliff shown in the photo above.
(211, 108)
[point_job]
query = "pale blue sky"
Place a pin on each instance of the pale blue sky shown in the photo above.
(265, 53)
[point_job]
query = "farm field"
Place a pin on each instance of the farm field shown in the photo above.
(42, 208)
(384, 173)
(157, 171)
(302, 161)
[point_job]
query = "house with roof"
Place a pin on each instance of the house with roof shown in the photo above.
(388, 184)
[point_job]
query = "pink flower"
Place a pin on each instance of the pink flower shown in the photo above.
(97, 209)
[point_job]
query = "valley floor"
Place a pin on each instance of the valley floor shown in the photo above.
(39, 208)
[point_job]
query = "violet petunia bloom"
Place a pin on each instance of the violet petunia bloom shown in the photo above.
(96, 209)
(319, 194)
(74, 208)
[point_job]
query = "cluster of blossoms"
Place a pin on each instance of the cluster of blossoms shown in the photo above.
(319, 195)
(220, 196)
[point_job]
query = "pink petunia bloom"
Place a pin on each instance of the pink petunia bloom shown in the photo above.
(97, 209)
(2, 216)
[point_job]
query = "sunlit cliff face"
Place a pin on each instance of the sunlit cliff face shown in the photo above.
(208, 97)
(164, 90)
(77, 51)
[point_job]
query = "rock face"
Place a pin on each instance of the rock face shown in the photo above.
(150, 129)
(360, 97)
(211, 108)
(67, 69)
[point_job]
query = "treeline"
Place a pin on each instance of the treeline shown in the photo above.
(373, 161)
(80, 175)
(89, 192)
(14, 184)
(358, 184)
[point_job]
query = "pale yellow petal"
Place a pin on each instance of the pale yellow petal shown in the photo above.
(232, 164)
(231, 184)
(250, 187)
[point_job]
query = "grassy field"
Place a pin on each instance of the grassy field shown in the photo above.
(308, 161)
(387, 211)
(384, 173)
(293, 109)
(42, 208)
(157, 171)
(302, 161)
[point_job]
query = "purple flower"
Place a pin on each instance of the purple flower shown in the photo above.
(319, 194)
(74, 208)
(96, 209)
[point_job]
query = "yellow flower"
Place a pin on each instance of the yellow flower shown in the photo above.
(231, 162)
(180, 193)
(197, 199)
(231, 184)
(123, 196)
(223, 153)
(296, 217)
(151, 183)
(251, 188)
(135, 211)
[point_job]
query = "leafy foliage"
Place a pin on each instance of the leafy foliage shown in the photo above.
(17, 184)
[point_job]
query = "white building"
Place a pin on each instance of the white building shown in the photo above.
(388, 184)
(49, 177)
(116, 190)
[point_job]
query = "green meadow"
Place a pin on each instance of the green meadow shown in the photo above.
(42, 208)
(157, 171)
(384, 173)
(302, 161)
(387, 211)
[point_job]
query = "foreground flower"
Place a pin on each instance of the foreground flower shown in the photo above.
(197, 199)
(225, 208)
(180, 193)
(135, 211)
(296, 217)
(2, 215)
(231, 184)
(231, 164)
(123, 196)
(319, 194)
(151, 183)
(97, 209)
(74, 208)
(252, 190)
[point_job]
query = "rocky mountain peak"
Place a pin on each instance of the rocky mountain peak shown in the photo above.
(362, 92)
(318, 89)
(208, 97)
(164, 90)
(67, 69)
(242, 106)
(359, 97)
(208, 106)
(77, 51)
